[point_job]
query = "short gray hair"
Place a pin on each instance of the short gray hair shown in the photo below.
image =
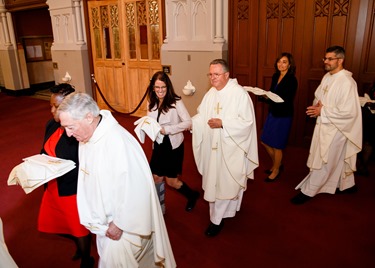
(222, 62)
(78, 105)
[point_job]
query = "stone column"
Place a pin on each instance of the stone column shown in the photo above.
(13, 70)
(219, 19)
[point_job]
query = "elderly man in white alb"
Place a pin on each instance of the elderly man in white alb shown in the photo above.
(116, 195)
(6, 259)
(224, 144)
(337, 135)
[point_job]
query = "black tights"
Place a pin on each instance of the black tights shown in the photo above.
(83, 245)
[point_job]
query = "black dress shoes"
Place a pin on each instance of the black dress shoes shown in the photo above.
(268, 171)
(268, 179)
(350, 190)
(300, 199)
(214, 229)
(192, 200)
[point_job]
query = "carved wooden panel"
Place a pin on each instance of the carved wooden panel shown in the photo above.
(369, 55)
(243, 20)
(327, 23)
(279, 25)
(367, 61)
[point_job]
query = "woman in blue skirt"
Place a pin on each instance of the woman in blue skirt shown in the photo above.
(279, 120)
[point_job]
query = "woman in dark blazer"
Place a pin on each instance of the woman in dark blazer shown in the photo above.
(279, 120)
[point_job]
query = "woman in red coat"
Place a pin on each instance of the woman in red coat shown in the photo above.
(58, 211)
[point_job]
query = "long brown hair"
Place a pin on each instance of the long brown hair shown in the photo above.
(170, 98)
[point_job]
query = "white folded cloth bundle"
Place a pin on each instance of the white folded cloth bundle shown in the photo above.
(38, 169)
(260, 92)
(366, 99)
(148, 126)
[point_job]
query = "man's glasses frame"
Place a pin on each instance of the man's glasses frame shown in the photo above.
(215, 75)
(330, 59)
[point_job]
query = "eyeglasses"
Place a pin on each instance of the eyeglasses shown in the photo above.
(162, 87)
(330, 59)
(214, 75)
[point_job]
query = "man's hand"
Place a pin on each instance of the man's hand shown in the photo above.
(314, 111)
(113, 232)
(215, 123)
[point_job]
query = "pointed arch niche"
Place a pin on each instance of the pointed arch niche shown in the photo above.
(196, 33)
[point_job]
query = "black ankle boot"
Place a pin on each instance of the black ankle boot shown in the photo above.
(191, 195)
(87, 262)
(77, 255)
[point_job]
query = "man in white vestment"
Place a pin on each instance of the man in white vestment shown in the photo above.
(116, 195)
(224, 144)
(6, 260)
(337, 136)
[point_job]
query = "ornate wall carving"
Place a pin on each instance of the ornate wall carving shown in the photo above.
(323, 8)
(195, 24)
(243, 10)
(287, 9)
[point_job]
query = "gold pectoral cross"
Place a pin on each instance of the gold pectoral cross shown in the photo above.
(84, 171)
(325, 90)
(145, 122)
(218, 108)
(215, 147)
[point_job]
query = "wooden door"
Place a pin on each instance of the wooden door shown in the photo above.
(126, 39)
(281, 26)
(326, 23)
(261, 29)
(363, 62)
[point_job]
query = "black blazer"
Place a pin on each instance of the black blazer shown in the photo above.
(66, 148)
(286, 89)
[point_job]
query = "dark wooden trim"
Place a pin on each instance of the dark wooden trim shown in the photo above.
(18, 5)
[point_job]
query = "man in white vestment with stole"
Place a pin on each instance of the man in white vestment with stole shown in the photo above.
(337, 135)
(224, 144)
(116, 195)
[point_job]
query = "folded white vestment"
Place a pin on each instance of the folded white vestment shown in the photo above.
(38, 169)
(366, 99)
(148, 126)
(260, 92)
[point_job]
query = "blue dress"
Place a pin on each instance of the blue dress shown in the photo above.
(278, 123)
